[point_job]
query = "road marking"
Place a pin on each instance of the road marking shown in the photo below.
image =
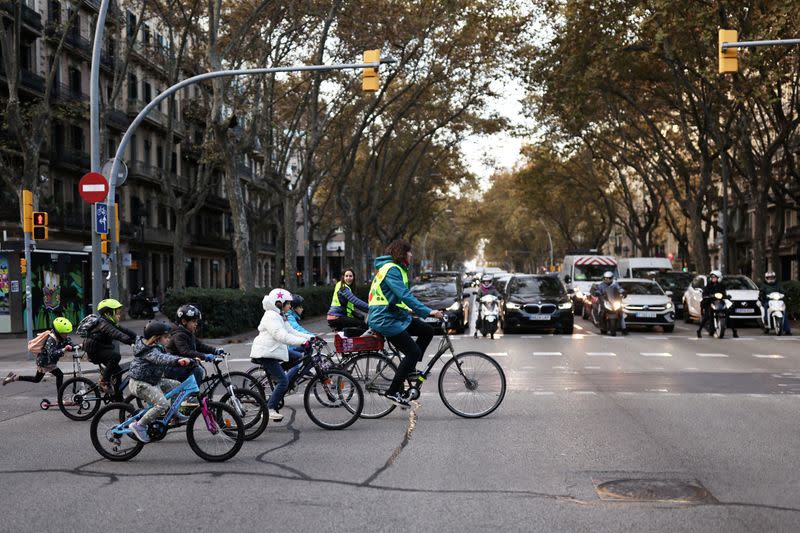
(578, 327)
(787, 338)
(711, 355)
(768, 356)
(743, 338)
(543, 393)
(547, 353)
(592, 367)
(497, 354)
(239, 360)
(528, 367)
(585, 392)
(659, 338)
(601, 354)
(531, 337)
(655, 354)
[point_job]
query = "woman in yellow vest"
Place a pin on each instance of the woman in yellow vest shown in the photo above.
(344, 303)
(390, 303)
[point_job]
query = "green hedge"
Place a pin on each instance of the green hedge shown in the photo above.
(231, 311)
(792, 289)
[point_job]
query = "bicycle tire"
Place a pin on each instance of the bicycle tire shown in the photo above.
(239, 380)
(225, 417)
(494, 377)
(101, 435)
(374, 372)
(261, 376)
(88, 396)
(255, 415)
(342, 390)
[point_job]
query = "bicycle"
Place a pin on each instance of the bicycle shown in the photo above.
(328, 386)
(79, 397)
(473, 380)
(218, 437)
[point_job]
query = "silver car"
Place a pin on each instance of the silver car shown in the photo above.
(646, 304)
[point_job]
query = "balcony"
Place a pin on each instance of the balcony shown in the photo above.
(145, 171)
(65, 93)
(71, 157)
(118, 120)
(73, 41)
(32, 81)
(30, 17)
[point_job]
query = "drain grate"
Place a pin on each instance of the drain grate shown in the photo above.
(653, 490)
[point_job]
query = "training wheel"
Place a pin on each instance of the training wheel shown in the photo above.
(45, 404)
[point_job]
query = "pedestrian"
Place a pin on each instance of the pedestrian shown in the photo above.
(56, 345)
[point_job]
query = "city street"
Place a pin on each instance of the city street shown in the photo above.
(581, 410)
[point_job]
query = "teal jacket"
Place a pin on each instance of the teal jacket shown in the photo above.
(390, 320)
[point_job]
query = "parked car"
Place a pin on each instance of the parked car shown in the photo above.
(674, 283)
(443, 290)
(646, 304)
(741, 290)
(536, 301)
(638, 267)
(579, 272)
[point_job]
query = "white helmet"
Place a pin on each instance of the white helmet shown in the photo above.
(608, 274)
(275, 299)
(770, 276)
(717, 274)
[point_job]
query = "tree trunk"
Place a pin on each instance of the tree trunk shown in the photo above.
(698, 239)
(178, 255)
(760, 198)
(290, 243)
(241, 230)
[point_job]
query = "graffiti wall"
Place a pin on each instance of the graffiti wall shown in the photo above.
(58, 288)
(5, 295)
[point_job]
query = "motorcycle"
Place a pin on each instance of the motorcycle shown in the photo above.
(141, 306)
(486, 322)
(719, 312)
(776, 310)
(610, 315)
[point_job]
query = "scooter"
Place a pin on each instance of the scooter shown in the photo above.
(141, 306)
(719, 312)
(486, 322)
(610, 315)
(776, 310)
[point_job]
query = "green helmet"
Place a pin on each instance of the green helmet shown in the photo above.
(109, 303)
(62, 325)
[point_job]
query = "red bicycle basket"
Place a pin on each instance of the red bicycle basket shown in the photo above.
(369, 343)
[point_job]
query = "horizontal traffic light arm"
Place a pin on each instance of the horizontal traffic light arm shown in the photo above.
(756, 44)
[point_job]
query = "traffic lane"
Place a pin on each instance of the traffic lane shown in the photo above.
(532, 463)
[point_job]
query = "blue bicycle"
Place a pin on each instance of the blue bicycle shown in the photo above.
(214, 430)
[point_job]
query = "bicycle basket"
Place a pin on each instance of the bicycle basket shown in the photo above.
(368, 343)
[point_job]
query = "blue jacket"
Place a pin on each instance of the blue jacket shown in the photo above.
(346, 295)
(612, 291)
(390, 320)
(294, 321)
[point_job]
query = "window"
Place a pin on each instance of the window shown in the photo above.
(147, 89)
(54, 11)
(146, 34)
(133, 87)
(75, 81)
(26, 56)
(131, 25)
(76, 138)
(160, 156)
(148, 152)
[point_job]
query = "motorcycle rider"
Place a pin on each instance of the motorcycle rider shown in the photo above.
(99, 344)
(771, 284)
(713, 287)
(183, 343)
(487, 287)
(612, 290)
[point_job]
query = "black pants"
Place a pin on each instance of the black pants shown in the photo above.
(111, 361)
(708, 318)
(413, 351)
(39, 375)
(347, 322)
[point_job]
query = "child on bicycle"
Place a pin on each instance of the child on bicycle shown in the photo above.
(100, 342)
(271, 346)
(146, 375)
(57, 343)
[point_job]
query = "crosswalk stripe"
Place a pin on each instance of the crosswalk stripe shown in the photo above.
(497, 354)
(530, 337)
(711, 355)
(656, 354)
(768, 356)
(547, 353)
(601, 354)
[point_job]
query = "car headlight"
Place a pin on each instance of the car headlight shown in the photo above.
(565, 305)
(512, 305)
(453, 307)
(669, 305)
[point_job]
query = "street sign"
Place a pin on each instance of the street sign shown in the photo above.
(93, 187)
(101, 214)
(122, 173)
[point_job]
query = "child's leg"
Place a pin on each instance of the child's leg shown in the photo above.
(59, 377)
(153, 395)
(33, 379)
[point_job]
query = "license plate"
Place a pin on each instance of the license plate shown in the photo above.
(745, 310)
(155, 308)
(540, 317)
(645, 314)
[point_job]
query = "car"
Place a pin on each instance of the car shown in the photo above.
(443, 290)
(674, 283)
(646, 304)
(536, 301)
(741, 290)
(580, 272)
(638, 267)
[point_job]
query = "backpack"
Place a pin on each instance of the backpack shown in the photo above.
(36, 344)
(86, 325)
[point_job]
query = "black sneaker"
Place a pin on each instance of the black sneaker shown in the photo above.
(699, 334)
(397, 399)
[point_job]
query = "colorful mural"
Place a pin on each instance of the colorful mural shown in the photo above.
(5, 287)
(57, 288)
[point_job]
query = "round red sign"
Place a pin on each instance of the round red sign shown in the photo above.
(93, 187)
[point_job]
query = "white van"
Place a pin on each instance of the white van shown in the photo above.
(638, 267)
(580, 272)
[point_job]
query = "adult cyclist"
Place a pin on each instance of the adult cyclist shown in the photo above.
(342, 312)
(100, 341)
(389, 304)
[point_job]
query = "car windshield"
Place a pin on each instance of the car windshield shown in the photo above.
(642, 272)
(738, 283)
(640, 287)
(544, 287)
(435, 290)
(674, 282)
(592, 272)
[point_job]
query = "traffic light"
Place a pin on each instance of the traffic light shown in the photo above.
(39, 225)
(728, 59)
(23, 265)
(27, 211)
(104, 243)
(370, 81)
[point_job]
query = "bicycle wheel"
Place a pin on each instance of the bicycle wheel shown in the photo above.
(252, 408)
(343, 400)
(241, 380)
(217, 435)
(107, 439)
(472, 384)
(79, 398)
(374, 372)
(265, 384)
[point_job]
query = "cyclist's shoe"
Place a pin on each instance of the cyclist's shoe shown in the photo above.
(190, 404)
(179, 418)
(398, 399)
(275, 415)
(139, 432)
(11, 377)
(104, 386)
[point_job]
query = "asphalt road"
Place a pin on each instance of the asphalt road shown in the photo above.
(581, 410)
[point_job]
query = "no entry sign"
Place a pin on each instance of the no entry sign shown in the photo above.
(93, 187)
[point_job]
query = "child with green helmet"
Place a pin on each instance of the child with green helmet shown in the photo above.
(99, 344)
(57, 343)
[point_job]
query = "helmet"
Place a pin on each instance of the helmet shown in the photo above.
(189, 312)
(770, 276)
(156, 328)
(62, 325)
(110, 304)
(608, 274)
(487, 278)
(717, 274)
(297, 300)
(276, 298)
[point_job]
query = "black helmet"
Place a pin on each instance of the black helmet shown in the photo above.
(189, 312)
(297, 301)
(156, 328)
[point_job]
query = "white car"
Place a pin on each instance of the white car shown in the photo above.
(741, 290)
(646, 304)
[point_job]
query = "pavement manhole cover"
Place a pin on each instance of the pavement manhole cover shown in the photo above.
(653, 490)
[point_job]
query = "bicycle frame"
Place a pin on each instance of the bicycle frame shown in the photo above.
(179, 393)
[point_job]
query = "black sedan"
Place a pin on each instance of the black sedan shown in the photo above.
(674, 283)
(442, 291)
(536, 301)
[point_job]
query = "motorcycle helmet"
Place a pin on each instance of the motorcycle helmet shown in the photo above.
(156, 328)
(608, 276)
(487, 279)
(62, 325)
(189, 312)
(770, 277)
(716, 274)
(297, 301)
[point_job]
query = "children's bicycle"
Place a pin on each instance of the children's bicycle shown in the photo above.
(214, 431)
(79, 397)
